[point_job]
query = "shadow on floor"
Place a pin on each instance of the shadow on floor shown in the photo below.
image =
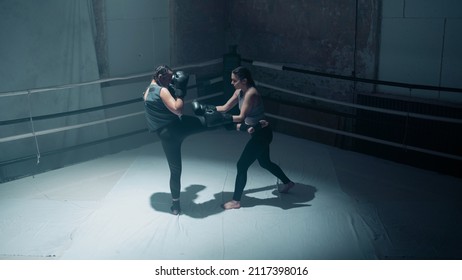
(297, 197)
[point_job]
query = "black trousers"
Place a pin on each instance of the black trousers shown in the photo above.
(257, 148)
(172, 137)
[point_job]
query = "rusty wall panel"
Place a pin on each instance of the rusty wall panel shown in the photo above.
(319, 34)
(330, 36)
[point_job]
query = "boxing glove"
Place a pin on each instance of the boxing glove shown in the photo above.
(201, 109)
(214, 118)
(180, 80)
(176, 92)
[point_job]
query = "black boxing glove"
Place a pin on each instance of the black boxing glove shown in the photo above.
(215, 118)
(176, 92)
(180, 80)
(171, 88)
(179, 93)
(201, 109)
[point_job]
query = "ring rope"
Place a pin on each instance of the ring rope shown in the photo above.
(33, 128)
(215, 80)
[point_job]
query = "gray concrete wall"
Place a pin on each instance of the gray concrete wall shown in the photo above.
(138, 34)
(137, 37)
(421, 43)
(197, 31)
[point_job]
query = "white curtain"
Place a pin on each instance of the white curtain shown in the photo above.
(45, 44)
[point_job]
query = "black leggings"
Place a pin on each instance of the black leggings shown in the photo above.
(172, 137)
(256, 149)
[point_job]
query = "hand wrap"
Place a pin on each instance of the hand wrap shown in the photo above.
(245, 127)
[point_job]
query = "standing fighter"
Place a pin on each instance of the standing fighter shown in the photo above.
(251, 119)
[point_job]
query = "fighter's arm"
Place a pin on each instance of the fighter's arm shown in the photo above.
(216, 115)
(145, 94)
(232, 101)
(174, 105)
(247, 104)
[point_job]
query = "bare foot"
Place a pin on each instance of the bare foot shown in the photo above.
(233, 204)
(286, 187)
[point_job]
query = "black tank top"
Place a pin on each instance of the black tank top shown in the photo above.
(157, 114)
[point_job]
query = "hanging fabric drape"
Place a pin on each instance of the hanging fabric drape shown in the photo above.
(44, 44)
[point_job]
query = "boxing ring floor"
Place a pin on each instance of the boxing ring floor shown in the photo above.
(345, 206)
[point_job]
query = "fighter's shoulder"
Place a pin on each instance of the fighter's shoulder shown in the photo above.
(251, 92)
(163, 91)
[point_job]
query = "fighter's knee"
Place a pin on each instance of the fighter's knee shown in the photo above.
(242, 166)
(265, 164)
